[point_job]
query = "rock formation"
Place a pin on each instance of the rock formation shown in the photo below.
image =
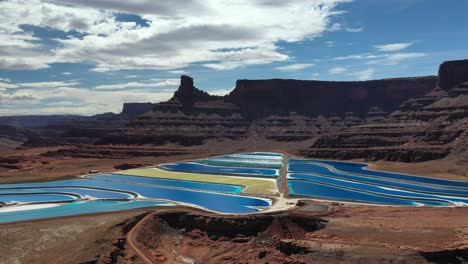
(281, 110)
(401, 119)
(133, 110)
(188, 118)
(262, 98)
(72, 130)
(452, 73)
(423, 128)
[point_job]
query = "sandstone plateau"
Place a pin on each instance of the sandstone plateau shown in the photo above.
(404, 119)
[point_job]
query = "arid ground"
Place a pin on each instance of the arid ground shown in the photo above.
(314, 232)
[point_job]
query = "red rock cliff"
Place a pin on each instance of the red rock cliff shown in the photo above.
(262, 98)
(452, 73)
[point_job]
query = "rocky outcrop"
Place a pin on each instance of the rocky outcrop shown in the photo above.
(212, 239)
(133, 110)
(281, 110)
(402, 119)
(452, 73)
(158, 128)
(190, 117)
(262, 98)
(188, 94)
(423, 128)
(300, 236)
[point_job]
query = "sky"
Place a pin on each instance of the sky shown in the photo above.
(91, 56)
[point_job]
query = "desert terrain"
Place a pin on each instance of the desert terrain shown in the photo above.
(422, 132)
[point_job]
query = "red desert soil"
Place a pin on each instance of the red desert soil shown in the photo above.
(81, 239)
(45, 164)
(444, 168)
(352, 234)
(363, 234)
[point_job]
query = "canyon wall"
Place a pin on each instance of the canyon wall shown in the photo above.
(278, 110)
(262, 98)
(133, 110)
(452, 73)
(403, 119)
(423, 128)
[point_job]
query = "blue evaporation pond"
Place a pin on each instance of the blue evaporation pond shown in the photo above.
(324, 192)
(82, 192)
(202, 168)
(375, 189)
(242, 163)
(252, 157)
(361, 169)
(274, 154)
(323, 170)
(77, 208)
(224, 203)
(214, 187)
(35, 198)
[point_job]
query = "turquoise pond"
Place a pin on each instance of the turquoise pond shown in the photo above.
(114, 192)
(241, 163)
(227, 170)
(346, 181)
(77, 208)
(305, 178)
(213, 201)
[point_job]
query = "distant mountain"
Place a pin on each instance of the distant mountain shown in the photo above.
(130, 111)
(69, 129)
(34, 121)
(426, 127)
(402, 119)
(284, 110)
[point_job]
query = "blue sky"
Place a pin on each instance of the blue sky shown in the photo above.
(60, 57)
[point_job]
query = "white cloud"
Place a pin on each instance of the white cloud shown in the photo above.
(47, 84)
(363, 75)
(7, 85)
(25, 61)
(330, 43)
(358, 57)
(5, 80)
(72, 100)
(178, 72)
(353, 30)
(20, 50)
(396, 58)
(166, 8)
(220, 92)
(295, 67)
(335, 27)
(337, 70)
(338, 27)
(180, 33)
(384, 59)
(393, 47)
(121, 86)
(66, 73)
